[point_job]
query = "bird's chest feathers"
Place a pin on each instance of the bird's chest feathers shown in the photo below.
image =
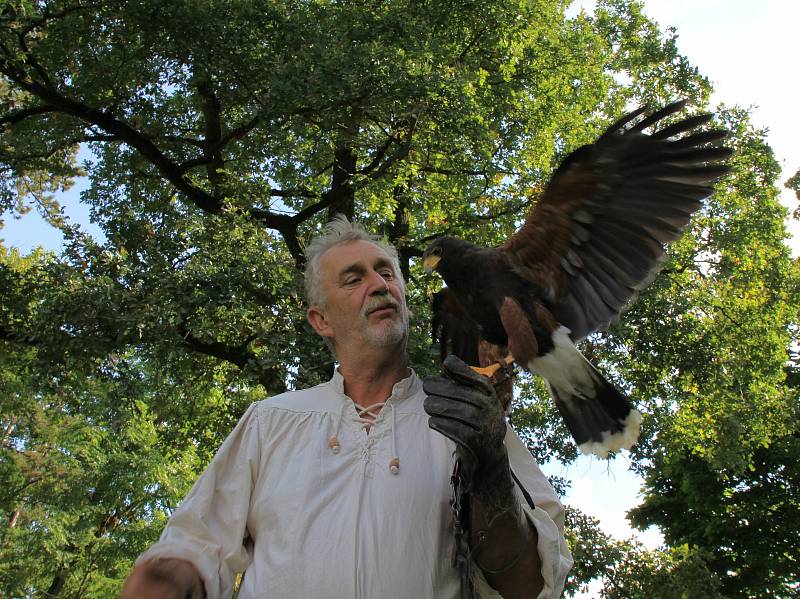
(473, 288)
(482, 287)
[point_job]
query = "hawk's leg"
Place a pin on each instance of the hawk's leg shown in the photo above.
(491, 370)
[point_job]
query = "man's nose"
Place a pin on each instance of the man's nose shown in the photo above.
(377, 284)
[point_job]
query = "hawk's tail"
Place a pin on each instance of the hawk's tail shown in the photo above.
(601, 421)
(599, 416)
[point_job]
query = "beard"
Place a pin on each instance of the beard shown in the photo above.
(389, 331)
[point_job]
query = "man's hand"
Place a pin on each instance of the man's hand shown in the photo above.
(168, 578)
(463, 406)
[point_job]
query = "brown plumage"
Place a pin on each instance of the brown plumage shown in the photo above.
(592, 241)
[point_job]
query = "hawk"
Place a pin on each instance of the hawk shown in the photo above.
(594, 239)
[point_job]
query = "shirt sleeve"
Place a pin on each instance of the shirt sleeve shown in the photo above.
(547, 517)
(209, 528)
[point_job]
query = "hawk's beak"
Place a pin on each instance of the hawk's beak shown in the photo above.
(431, 262)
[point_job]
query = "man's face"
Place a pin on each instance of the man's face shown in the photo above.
(364, 298)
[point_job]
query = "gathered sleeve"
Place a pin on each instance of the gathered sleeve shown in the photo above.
(547, 517)
(209, 528)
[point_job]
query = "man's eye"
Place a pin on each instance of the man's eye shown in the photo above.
(352, 281)
(387, 274)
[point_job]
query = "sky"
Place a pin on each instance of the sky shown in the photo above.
(749, 50)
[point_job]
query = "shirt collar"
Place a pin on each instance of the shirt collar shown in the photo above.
(402, 389)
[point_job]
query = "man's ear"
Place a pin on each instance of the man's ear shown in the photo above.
(316, 318)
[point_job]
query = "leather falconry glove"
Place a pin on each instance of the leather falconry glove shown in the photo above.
(463, 406)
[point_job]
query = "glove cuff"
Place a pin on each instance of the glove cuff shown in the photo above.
(493, 486)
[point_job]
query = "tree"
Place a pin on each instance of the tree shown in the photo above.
(674, 573)
(747, 523)
(223, 138)
(624, 569)
(95, 452)
(716, 354)
(722, 477)
(793, 183)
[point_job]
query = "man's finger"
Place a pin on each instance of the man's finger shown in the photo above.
(436, 405)
(442, 387)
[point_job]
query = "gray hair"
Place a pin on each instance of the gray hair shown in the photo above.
(339, 230)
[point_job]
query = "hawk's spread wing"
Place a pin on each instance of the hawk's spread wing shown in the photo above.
(597, 234)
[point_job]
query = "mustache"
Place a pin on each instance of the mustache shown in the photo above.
(377, 303)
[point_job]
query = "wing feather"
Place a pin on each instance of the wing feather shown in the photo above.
(454, 329)
(597, 235)
(658, 115)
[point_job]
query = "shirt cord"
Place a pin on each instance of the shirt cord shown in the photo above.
(366, 417)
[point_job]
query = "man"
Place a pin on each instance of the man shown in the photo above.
(343, 490)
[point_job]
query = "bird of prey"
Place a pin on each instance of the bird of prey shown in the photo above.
(595, 238)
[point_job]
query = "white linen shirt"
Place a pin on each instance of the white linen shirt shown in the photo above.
(302, 521)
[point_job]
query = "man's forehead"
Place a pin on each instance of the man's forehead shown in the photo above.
(352, 253)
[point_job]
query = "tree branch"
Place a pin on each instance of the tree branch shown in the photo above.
(456, 173)
(293, 193)
(398, 229)
(7, 334)
(52, 16)
(213, 129)
(378, 167)
(341, 193)
(121, 131)
(239, 132)
(238, 355)
(17, 116)
(68, 143)
(510, 210)
(379, 154)
(170, 170)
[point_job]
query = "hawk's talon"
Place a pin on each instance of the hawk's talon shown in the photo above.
(487, 371)
(499, 372)
(503, 374)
